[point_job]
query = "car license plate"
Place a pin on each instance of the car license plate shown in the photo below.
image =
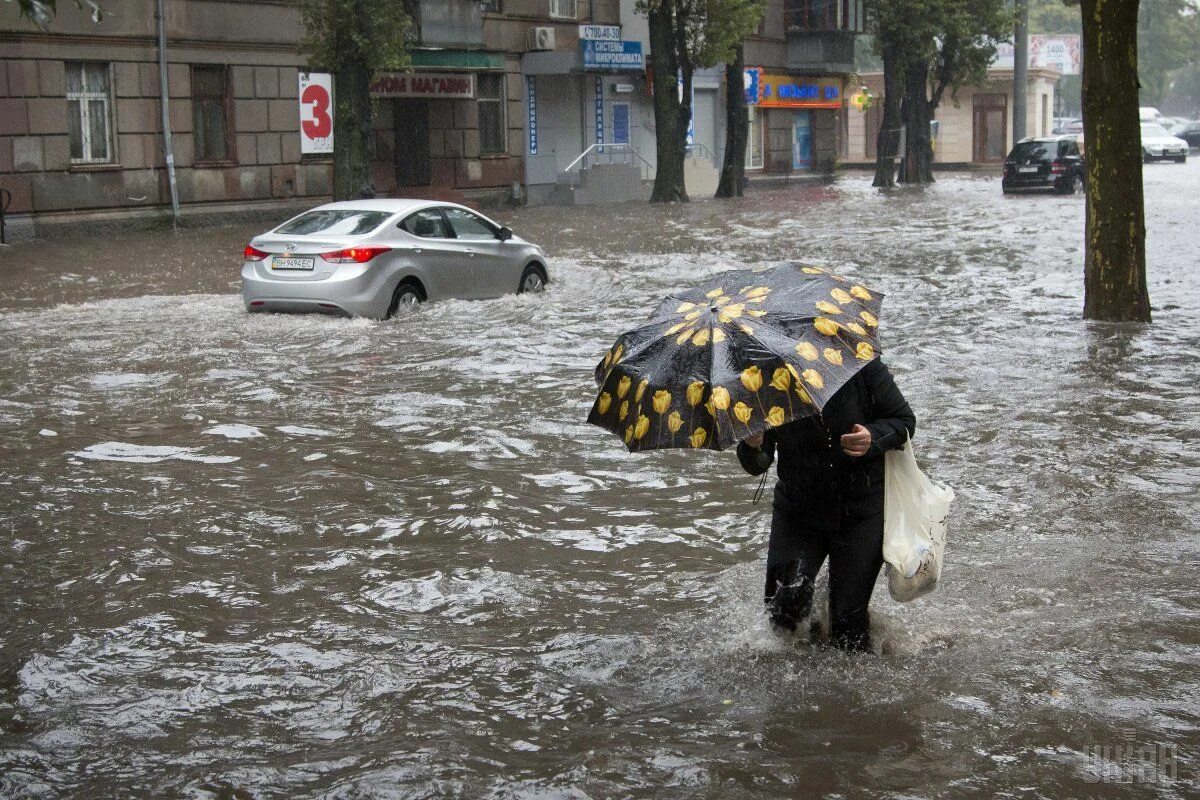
(292, 262)
(1027, 169)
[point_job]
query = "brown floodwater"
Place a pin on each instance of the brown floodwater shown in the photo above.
(302, 556)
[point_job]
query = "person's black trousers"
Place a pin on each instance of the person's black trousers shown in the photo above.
(794, 557)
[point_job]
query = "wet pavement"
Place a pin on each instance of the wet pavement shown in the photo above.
(293, 556)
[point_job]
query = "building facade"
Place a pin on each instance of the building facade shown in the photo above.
(501, 100)
(972, 129)
(81, 110)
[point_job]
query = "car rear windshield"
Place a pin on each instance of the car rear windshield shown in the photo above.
(335, 222)
(1035, 151)
(1154, 130)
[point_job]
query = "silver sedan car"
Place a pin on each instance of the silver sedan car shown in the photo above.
(371, 257)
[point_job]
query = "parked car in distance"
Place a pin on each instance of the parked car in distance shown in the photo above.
(1173, 124)
(1070, 126)
(371, 258)
(1158, 145)
(1149, 114)
(1044, 163)
(1190, 133)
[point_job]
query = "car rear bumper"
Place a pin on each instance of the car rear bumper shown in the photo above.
(354, 289)
(1038, 184)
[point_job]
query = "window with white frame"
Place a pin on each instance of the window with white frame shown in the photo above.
(89, 112)
(492, 125)
(754, 140)
(564, 9)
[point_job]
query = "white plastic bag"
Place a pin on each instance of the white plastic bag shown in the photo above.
(915, 510)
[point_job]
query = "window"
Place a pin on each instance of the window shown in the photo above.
(564, 9)
(210, 112)
(754, 140)
(492, 131)
(824, 15)
(89, 113)
(470, 227)
(490, 6)
(342, 222)
(428, 224)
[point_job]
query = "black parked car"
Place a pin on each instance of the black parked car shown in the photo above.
(1051, 162)
(1190, 133)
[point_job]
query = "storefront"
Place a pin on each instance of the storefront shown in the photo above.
(592, 93)
(794, 121)
(446, 128)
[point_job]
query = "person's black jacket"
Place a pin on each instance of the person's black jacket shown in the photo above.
(817, 480)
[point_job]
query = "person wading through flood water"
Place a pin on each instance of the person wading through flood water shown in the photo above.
(828, 501)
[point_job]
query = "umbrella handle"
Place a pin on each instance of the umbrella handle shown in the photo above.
(762, 487)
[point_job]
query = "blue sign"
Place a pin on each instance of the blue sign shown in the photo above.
(751, 79)
(600, 111)
(611, 56)
(532, 94)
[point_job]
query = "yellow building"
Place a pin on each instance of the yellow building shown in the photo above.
(975, 128)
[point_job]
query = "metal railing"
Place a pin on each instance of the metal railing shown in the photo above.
(699, 149)
(601, 153)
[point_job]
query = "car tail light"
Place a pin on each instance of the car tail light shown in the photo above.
(253, 254)
(354, 255)
(1058, 167)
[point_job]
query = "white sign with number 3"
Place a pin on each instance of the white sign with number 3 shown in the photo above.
(316, 112)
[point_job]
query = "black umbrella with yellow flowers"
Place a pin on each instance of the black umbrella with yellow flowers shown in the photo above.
(747, 351)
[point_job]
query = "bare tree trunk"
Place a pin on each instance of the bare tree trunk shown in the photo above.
(1114, 272)
(670, 114)
(917, 114)
(887, 145)
(737, 127)
(352, 133)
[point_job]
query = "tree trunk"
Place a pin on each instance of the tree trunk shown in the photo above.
(1114, 272)
(670, 121)
(737, 127)
(352, 133)
(917, 114)
(887, 145)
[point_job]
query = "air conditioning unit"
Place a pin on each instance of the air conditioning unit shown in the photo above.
(564, 9)
(541, 38)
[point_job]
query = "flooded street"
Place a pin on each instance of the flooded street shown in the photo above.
(302, 556)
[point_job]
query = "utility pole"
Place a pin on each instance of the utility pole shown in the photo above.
(1020, 70)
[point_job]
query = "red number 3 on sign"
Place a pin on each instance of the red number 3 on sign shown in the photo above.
(321, 124)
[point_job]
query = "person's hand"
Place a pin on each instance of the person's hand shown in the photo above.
(857, 442)
(755, 441)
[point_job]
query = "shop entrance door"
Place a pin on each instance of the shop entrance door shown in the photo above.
(802, 157)
(412, 142)
(990, 128)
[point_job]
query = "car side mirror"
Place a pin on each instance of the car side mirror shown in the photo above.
(505, 233)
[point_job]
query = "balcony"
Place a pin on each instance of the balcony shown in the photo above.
(449, 23)
(820, 34)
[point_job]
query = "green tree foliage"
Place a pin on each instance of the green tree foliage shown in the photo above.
(42, 12)
(1168, 42)
(353, 39)
(929, 48)
(686, 35)
(1168, 37)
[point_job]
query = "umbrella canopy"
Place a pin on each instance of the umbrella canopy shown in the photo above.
(746, 351)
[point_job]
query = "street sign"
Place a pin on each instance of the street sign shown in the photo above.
(316, 112)
(611, 56)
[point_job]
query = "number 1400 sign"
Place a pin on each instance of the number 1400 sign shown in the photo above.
(316, 112)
